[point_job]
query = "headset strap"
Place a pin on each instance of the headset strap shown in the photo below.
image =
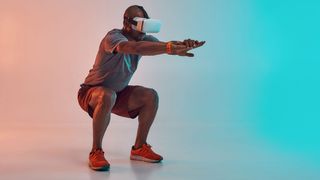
(131, 21)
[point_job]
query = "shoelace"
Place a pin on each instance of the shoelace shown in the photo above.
(147, 149)
(98, 155)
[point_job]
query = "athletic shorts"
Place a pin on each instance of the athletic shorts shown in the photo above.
(120, 108)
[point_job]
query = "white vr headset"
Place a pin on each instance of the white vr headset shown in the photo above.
(145, 25)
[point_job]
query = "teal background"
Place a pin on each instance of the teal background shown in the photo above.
(253, 85)
(259, 68)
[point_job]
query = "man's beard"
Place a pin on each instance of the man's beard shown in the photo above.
(137, 36)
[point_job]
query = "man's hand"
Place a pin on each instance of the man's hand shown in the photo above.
(181, 48)
(192, 43)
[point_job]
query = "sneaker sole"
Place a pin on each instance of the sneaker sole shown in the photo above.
(103, 168)
(140, 158)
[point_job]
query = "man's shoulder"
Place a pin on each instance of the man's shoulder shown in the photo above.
(114, 31)
(114, 34)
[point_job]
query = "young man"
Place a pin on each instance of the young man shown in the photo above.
(106, 88)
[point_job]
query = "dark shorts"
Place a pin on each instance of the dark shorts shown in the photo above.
(120, 108)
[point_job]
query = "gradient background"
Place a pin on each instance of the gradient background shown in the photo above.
(245, 107)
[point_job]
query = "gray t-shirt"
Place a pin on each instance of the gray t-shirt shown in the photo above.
(113, 70)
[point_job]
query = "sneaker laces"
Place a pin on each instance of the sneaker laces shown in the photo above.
(147, 149)
(98, 155)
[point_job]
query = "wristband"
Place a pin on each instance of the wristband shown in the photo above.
(169, 48)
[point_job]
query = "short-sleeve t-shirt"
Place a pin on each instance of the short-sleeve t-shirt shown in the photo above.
(111, 69)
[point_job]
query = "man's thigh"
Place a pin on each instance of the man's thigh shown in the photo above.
(128, 103)
(85, 96)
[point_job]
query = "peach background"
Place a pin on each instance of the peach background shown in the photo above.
(46, 50)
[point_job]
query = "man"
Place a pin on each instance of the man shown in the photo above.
(106, 88)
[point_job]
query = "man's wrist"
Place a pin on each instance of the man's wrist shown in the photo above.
(169, 47)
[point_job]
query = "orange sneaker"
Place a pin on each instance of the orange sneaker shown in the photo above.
(97, 161)
(145, 153)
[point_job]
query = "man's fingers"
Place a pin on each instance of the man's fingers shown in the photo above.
(188, 43)
(200, 44)
(182, 48)
(185, 47)
(195, 43)
(192, 43)
(186, 54)
(184, 51)
(189, 54)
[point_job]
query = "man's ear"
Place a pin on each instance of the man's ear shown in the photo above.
(126, 25)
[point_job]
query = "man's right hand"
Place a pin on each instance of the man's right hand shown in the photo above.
(181, 48)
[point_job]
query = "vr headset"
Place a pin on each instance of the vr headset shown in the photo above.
(145, 25)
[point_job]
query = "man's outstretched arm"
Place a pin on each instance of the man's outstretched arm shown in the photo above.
(148, 48)
(144, 48)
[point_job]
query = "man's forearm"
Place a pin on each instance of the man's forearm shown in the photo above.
(147, 48)
(143, 48)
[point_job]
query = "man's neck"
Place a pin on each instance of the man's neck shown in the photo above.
(127, 35)
(130, 37)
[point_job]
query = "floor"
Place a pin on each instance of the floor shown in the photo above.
(191, 150)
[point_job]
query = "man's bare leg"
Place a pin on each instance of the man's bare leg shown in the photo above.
(102, 101)
(148, 100)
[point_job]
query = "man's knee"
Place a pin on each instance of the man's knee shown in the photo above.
(104, 98)
(151, 96)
